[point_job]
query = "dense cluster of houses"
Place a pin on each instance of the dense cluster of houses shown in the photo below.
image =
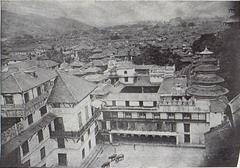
(55, 114)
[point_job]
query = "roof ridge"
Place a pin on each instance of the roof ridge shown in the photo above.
(67, 86)
(17, 82)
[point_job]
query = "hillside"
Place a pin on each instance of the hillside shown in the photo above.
(15, 25)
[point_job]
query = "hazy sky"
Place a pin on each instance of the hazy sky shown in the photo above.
(117, 12)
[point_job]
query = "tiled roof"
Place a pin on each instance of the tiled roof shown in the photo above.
(77, 64)
(46, 63)
(98, 55)
(70, 89)
(95, 77)
(206, 68)
(99, 63)
(21, 81)
(207, 78)
(207, 91)
(25, 135)
(102, 89)
(217, 105)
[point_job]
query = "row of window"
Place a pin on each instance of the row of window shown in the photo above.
(185, 116)
(25, 146)
(9, 98)
(62, 157)
(43, 110)
(127, 104)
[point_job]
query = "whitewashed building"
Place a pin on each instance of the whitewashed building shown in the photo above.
(24, 116)
(73, 132)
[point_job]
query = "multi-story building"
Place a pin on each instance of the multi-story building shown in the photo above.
(25, 119)
(47, 117)
(162, 112)
(74, 130)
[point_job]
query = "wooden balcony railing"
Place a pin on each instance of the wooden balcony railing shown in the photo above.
(23, 110)
(75, 134)
(11, 132)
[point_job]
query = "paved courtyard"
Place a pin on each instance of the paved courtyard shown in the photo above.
(150, 156)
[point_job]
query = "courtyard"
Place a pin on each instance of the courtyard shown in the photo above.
(149, 156)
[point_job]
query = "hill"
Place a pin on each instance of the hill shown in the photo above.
(15, 25)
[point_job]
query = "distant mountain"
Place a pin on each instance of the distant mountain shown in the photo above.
(15, 25)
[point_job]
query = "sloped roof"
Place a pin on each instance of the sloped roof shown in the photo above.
(207, 91)
(95, 77)
(47, 63)
(98, 63)
(207, 78)
(217, 105)
(21, 81)
(77, 64)
(206, 68)
(98, 55)
(70, 89)
(206, 51)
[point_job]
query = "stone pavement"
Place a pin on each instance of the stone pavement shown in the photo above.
(153, 156)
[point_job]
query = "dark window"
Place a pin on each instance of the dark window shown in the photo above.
(40, 136)
(127, 103)
(62, 159)
(171, 115)
(141, 103)
(42, 152)
(43, 110)
(154, 104)
(142, 115)
(113, 103)
(58, 124)
(186, 127)
(61, 143)
(9, 99)
(26, 97)
(27, 164)
(83, 153)
(125, 72)
(89, 131)
(128, 115)
(156, 115)
(50, 128)
(89, 144)
(30, 119)
(104, 125)
(186, 116)
(114, 114)
(126, 79)
(187, 138)
(25, 148)
(113, 125)
(82, 138)
(39, 92)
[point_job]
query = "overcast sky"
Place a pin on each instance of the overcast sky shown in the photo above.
(109, 13)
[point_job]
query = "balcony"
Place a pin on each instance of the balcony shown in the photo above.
(75, 134)
(129, 108)
(23, 110)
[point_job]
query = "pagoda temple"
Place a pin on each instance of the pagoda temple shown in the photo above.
(234, 20)
(204, 79)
